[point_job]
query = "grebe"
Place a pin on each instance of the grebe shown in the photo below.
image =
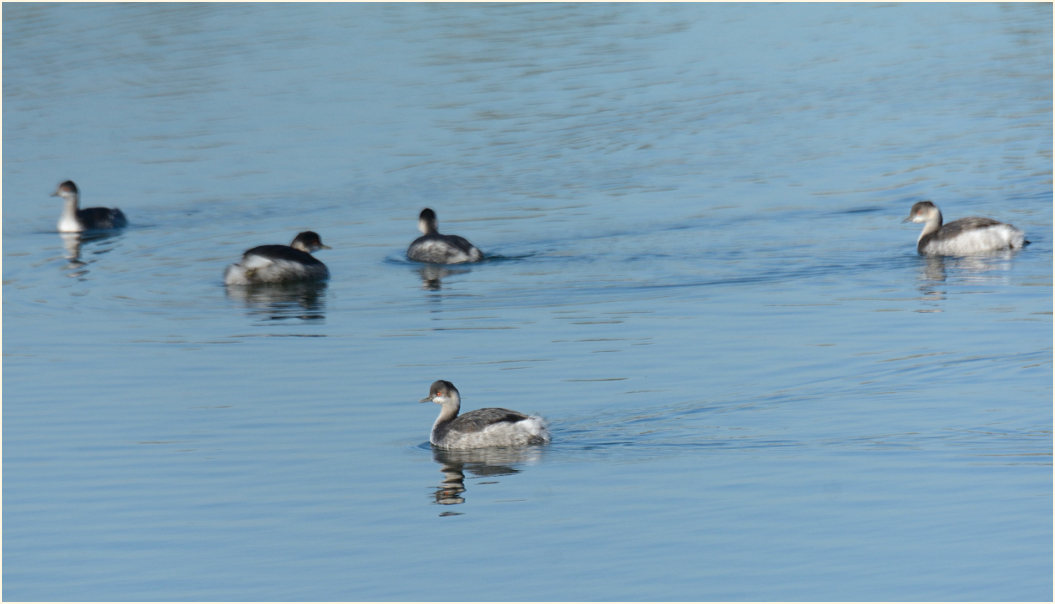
(491, 427)
(73, 220)
(440, 249)
(971, 235)
(280, 263)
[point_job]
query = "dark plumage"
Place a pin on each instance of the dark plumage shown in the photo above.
(282, 252)
(75, 220)
(280, 263)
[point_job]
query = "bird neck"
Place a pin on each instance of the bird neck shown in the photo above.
(427, 227)
(449, 410)
(933, 224)
(70, 203)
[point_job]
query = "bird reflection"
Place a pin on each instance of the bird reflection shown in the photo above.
(71, 246)
(278, 301)
(936, 271)
(480, 463)
(432, 275)
(986, 267)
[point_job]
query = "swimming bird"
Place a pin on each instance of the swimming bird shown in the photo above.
(972, 235)
(491, 427)
(74, 220)
(280, 263)
(440, 249)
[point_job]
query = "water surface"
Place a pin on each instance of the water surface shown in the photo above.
(697, 272)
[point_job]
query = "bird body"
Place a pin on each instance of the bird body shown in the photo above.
(971, 235)
(76, 220)
(437, 248)
(490, 427)
(280, 263)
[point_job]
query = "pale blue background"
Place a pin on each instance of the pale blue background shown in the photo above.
(699, 275)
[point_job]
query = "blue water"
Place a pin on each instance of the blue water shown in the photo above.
(697, 273)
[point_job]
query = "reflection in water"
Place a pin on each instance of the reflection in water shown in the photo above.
(277, 301)
(432, 275)
(480, 462)
(71, 245)
(974, 268)
(936, 271)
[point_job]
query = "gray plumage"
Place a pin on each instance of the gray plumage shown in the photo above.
(490, 427)
(970, 235)
(477, 420)
(437, 248)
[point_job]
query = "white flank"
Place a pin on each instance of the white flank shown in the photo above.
(976, 241)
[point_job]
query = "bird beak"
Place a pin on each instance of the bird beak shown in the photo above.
(909, 219)
(324, 246)
(56, 193)
(427, 399)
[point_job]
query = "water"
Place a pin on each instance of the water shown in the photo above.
(697, 272)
